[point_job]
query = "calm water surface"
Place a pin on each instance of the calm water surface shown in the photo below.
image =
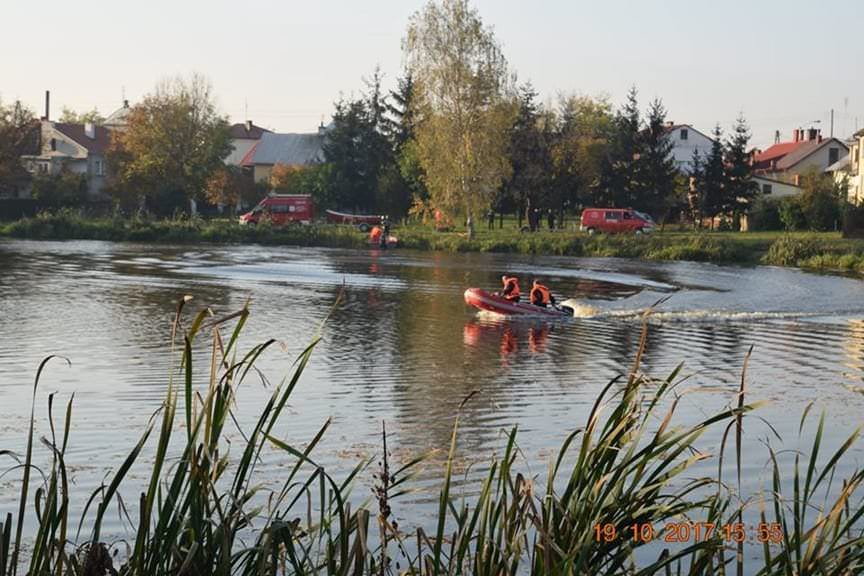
(403, 348)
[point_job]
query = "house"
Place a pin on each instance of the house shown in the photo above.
(119, 119)
(850, 170)
(243, 138)
(685, 141)
(79, 148)
(288, 149)
(787, 161)
(771, 188)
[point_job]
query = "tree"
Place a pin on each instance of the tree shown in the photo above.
(363, 170)
(712, 184)
(19, 135)
(579, 148)
(228, 186)
(620, 176)
(401, 126)
(658, 172)
(63, 190)
(313, 180)
(740, 187)
(174, 143)
(529, 153)
(820, 200)
(69, 116)
(697, 174)
(347, 151)
(462, 84)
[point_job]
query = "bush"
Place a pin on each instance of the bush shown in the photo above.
(789, 251)
(765, 216)
(791, 214)
(62, 190)
(853, 221)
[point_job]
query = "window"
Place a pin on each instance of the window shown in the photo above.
(279, 208)
(98, 168)
(627, 216)
(53, 144)
(613, 215)
(43, 167)
(683, 134)
(766, 188)
(833, 155)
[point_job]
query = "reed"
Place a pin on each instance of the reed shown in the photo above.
(203, 512)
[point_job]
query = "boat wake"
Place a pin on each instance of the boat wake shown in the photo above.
(581, 310)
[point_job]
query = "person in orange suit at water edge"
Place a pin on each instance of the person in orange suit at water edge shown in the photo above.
(375, 235)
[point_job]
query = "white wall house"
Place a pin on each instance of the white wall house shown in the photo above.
(852, 173)
(78, 148)
(772, 188)
(685, 141)
(808, 150)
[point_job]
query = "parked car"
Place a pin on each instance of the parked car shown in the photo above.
(614, 220)
(282, 209)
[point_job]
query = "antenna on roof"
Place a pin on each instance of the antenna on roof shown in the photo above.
(122, 93)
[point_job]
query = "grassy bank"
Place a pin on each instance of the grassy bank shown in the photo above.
(816, 251)
(208, 512)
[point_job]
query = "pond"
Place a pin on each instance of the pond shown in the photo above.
(403, 348)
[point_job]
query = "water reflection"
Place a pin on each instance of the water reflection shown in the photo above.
(404, 348)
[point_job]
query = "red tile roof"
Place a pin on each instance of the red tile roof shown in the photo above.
(240, 131)
(247, 158)
(76, 132)
(778, 151)
(786, 154)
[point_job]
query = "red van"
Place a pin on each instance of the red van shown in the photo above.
(282, 209)
(613, 220)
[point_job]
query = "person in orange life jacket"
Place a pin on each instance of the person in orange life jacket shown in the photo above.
(375, 234)
(540, 295)
(511, 288)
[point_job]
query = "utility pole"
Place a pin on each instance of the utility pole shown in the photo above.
(832, 123)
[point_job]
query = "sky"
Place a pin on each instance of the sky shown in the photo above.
(784, 64)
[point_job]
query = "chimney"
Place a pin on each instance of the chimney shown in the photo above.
(125, 103)
(812, 133)
(776, 137)
(90, 130)
(248, 126)
(47, 105)
(795, 135)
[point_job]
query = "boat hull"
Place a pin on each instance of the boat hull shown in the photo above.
(343, 218)
(489, 302)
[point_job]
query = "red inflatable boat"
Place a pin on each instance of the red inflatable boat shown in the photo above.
(493, 303)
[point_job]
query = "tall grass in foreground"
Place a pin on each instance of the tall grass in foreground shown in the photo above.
(206, 513)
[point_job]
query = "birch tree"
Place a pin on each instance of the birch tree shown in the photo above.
(465, 106)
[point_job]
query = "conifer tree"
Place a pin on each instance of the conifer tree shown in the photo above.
(620, 180)
(740, 187)
(529, 155)
(657, 165)
(713, 181)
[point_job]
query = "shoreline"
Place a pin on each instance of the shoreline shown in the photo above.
(814, 252)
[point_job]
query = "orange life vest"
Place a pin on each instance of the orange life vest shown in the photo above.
(540, 295)
(511, 288)
(375, 234)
